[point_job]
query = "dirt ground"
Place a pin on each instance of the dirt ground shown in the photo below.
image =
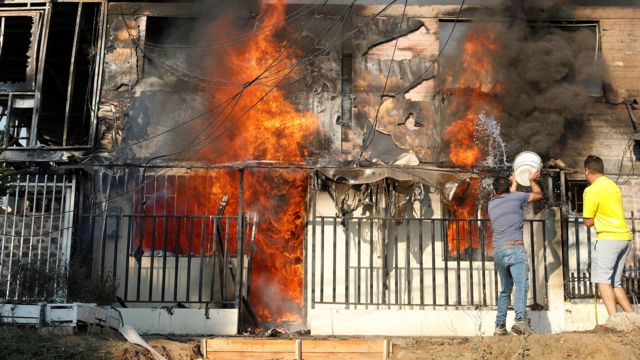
(599, 344)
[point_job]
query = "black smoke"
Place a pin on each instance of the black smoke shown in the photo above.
(548, 70)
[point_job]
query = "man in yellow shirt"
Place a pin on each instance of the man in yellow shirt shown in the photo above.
(603, 209)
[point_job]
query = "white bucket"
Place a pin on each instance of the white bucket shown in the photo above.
(524, 164)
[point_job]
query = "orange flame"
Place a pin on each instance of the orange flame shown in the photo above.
(473, 87)
(272, 129)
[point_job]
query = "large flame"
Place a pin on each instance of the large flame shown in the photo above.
(473, 87)
(253, 121)
(272, 129)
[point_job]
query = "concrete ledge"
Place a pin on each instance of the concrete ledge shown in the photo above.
(182, 321)
(449, 322)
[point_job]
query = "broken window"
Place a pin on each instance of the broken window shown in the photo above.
(579, 38)
(15, 45)
(18, 35)
(67, 106)
(171, 213)
(173, 51)
(16, 115)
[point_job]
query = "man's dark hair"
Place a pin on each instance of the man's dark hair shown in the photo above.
(501, 185)
(594, 164)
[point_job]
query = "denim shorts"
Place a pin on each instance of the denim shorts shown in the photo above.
(607, 261)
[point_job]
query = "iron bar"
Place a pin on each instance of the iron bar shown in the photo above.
(127, 257)
(225, 286)
(115, 253)
(577, 237)
(408, 262)
(103, 242)
(421, 257)
(359, 260)
(33, 217)
(314, 205)
(154, 228)
(482, 235)
(214, 259)
(533, 263)
(139, 258)
(335, 235)
(189, 256)
(202, 241)
(469, 254)
(346, 260)
(176, 241)
(371, 248)
(433, 262)
(321, 259)
(445, 244)
(544, 259)
(458, 280)
(240, 246)
(165, 224)
(396, 264)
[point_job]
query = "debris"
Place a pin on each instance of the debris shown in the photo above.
(133, 337)
(276, 332)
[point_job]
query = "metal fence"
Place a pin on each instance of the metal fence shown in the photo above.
(384, 262)
(36, 221)
(577, 244)
(172, 258)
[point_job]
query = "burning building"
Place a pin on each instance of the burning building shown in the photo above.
(306, 164)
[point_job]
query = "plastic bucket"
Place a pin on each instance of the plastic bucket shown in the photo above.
(524, 164)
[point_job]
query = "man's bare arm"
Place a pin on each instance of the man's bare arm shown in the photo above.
(514, 185)
(588, 222)
(536, 192)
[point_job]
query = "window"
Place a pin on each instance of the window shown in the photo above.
(575, 190)
(15, 46)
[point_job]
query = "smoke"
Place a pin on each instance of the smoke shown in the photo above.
(545, 71)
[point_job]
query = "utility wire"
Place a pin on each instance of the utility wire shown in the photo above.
(372, 133)
(214, 138)
(415, 82)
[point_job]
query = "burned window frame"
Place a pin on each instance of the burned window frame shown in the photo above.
(30, 76)
(34, 132)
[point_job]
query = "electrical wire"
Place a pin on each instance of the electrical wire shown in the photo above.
(239, 39)
(372, 133)
(416, 81)
(210, 139)
(226, 103)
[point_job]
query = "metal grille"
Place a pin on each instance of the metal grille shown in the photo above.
(577, 246)
(36, 223)
(397, 263)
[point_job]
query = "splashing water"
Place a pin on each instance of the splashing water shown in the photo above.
(487, 136)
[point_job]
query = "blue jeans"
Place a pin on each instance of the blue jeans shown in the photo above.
(512, 266)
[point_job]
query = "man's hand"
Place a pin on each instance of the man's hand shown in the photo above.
(536, 192)
(588, 222)
(534, 175)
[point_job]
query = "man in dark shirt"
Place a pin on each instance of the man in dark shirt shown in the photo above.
(506, 212)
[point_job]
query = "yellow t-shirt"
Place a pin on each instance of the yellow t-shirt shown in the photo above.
(603, 203)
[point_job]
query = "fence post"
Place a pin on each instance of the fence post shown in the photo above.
(240, 249)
